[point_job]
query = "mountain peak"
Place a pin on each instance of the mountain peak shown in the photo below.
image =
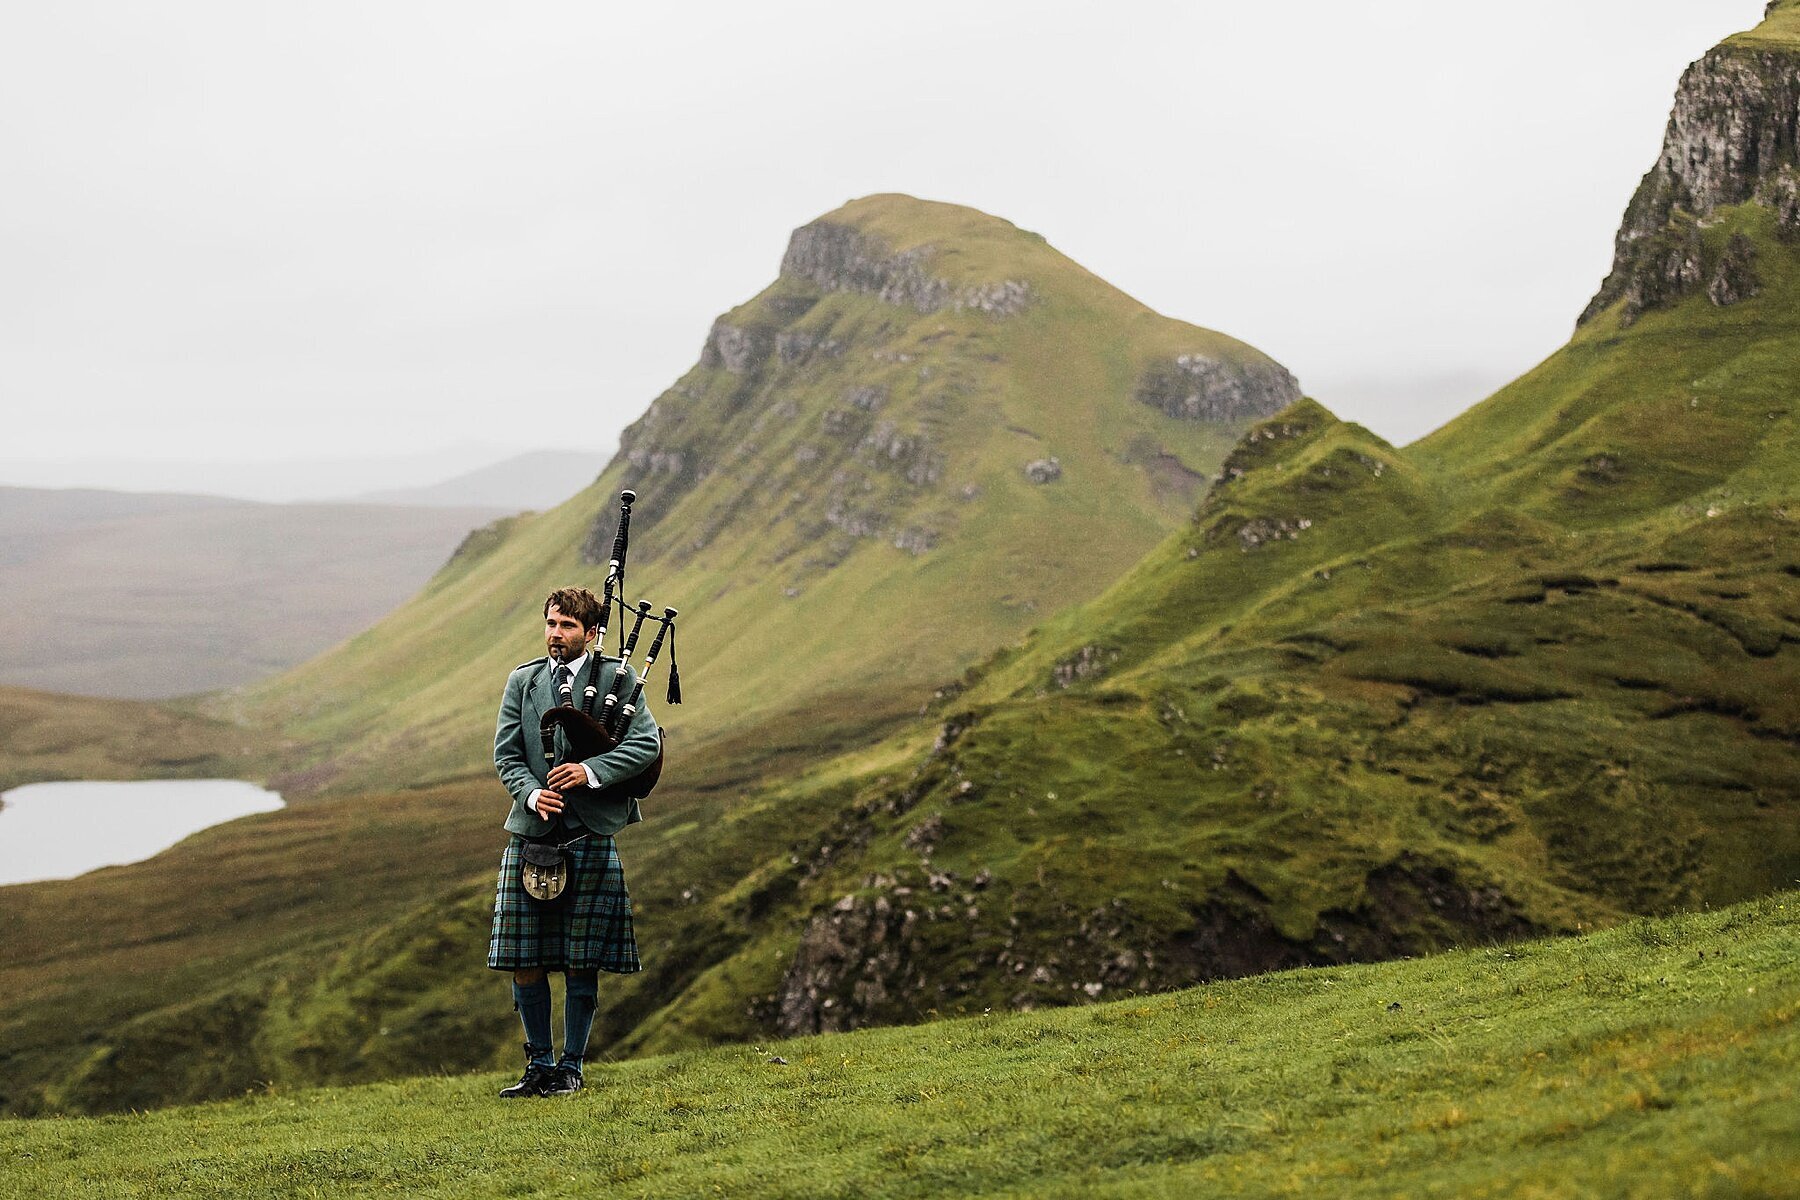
(906, 221)
(921, 254)
(1780, 26)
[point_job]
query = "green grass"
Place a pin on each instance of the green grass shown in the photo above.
(48, 736)
(1659, 1058)
(1779, 30)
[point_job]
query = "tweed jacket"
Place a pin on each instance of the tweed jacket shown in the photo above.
(519, 753)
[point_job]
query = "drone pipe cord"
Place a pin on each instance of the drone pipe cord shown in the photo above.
(637, 693)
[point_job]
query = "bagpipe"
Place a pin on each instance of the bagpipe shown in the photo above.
(587, 732)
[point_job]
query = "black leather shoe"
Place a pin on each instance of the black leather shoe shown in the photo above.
(564, 1080)
(536, 1079)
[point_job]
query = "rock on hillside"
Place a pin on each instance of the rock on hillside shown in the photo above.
(838, 257)
(1733, 138)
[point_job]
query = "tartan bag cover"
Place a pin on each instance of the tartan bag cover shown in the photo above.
(593, 931)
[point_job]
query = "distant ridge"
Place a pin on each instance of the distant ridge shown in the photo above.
(312, 479)
(178, 594)
(538, 479)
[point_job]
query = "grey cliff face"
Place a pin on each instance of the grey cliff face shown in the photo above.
(1731, 139)
(736, 350)
(841, 258)
(1198, 387)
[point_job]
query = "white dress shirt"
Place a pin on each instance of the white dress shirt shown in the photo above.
(531, 801)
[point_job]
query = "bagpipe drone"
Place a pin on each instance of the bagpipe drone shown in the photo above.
(589, 733)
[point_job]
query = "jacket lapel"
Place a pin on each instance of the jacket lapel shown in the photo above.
(537, 701)
(543, 696)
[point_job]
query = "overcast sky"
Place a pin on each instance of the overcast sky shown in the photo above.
(444, 232)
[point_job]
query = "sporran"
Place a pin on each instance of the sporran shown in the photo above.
(544, 872)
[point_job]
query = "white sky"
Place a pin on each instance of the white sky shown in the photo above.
(298, 231)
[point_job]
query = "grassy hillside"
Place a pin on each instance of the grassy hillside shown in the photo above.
(850, 453)
(1655, 1059)
(336, 946)
(44, 736)
(1338, 719)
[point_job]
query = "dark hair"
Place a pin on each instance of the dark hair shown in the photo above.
(576, 602)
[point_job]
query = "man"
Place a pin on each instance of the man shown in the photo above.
(563, 803)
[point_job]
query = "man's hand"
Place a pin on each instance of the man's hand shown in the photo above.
(549, 803)
(567, 777)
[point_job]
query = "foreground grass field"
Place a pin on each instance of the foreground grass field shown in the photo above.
(1658, 1058)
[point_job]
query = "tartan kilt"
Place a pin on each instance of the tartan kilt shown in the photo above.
(592, 931)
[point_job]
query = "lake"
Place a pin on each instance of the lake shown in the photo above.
(61, 830)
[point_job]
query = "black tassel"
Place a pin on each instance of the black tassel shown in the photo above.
(674, 669)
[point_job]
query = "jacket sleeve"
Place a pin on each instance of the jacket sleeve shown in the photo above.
(635, 751)
(509, 742)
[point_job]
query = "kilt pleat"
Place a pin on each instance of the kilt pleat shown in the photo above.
(593, 931)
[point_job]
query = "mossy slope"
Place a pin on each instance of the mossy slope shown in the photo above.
(1651, 1060)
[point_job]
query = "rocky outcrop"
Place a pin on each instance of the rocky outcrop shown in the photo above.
(850, 962)
(866, 398)
(661, 455)
(1089, 662)
(798, 345)
(1260, 531)
(915, 540)
(1781, 193)
(842, 258)
(888, 954)
(734, 348)
(1735, 277)
(1199, 387)
(1670, 265)
(910, 454)
(1732, 138)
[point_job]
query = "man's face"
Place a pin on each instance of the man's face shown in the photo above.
(564, 637)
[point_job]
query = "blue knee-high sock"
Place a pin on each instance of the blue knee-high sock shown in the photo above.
(533, 1003)
(579, 999)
